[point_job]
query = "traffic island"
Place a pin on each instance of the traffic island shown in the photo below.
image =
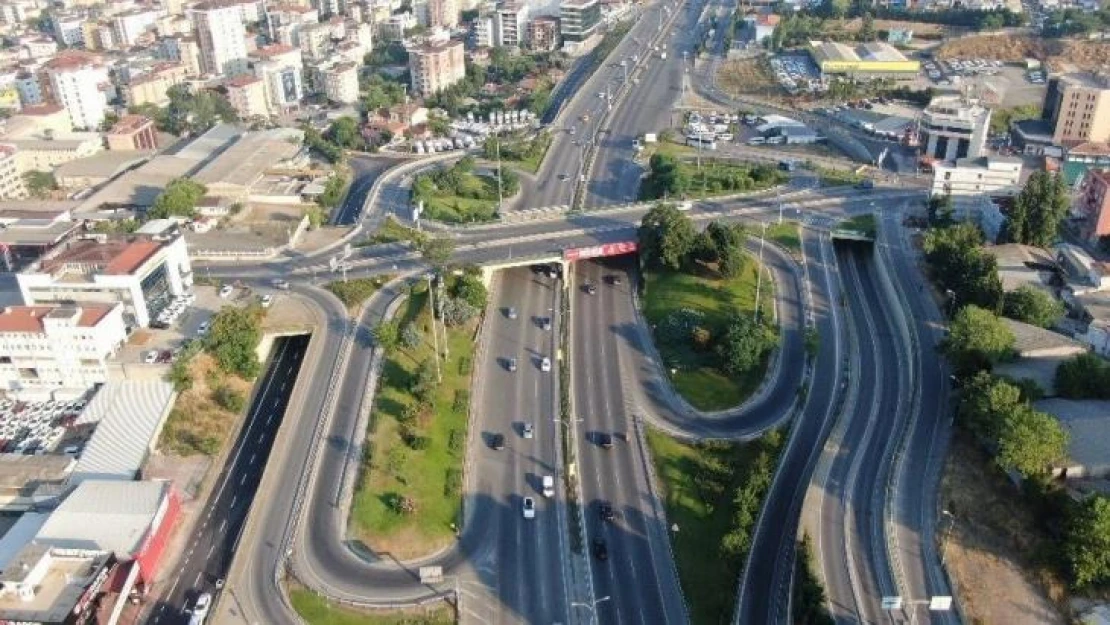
(408, 498)
(316, 610)
(460, 194)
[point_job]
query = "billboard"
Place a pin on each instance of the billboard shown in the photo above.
(876, 67)
(597, 251)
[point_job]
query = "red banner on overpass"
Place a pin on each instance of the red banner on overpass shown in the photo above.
(606, 249)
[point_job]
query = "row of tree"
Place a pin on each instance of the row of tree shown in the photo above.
(668, 176)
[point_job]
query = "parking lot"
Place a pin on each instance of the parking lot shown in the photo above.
(796, 73)
(39, 427)
(997, 82)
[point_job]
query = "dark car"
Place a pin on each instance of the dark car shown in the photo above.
(614, 280)
(600, 549)
(605, 511)
(497, 442)
(591, 289)
(605, 440)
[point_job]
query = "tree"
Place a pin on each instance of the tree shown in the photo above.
(984, 401)
(723, 244)
(1029, 441)
(410, 336)
(1033, 306)
(424, 381)
(977, 339)
(867, 29)
(666, 237)
(1086, 376)
(959, 264)
(1038, 210)
(437, 251)
(333, 191)
(179, 199)
(387, 335)
(666, 177)
(233, 339)
(39, 184)
(744, 344)
(1087, 543)
(470, 289)
(344, 132)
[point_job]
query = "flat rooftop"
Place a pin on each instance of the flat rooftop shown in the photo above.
(30, 319)
(18, 472)
(58, 591)
(1088, 422)
(108, 255)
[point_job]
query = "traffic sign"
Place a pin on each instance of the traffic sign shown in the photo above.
(892, 603)
(431, 574)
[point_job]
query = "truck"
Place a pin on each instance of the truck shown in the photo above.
(650, 137)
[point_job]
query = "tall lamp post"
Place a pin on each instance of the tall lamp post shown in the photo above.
(759, 269)
(592, 607)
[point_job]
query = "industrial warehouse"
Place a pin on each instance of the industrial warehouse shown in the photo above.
(875, 59)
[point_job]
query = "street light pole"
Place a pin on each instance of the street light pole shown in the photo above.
(759, 269)
(435, 335)
(590, 606)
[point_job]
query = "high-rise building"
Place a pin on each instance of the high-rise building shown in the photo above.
(511, 22)
(543, 34)
(1078, 107)
(247, 95)
(341, 82)
(183, 49)
(1093, 203)
(579, 20)
(153, 87)
(954, 127)
(76, 80)
(222, 37)
(11, 184)
(68, 29)
(131, 25)
(485, 32)
(281, 68)
(443, 13)
(434, 67)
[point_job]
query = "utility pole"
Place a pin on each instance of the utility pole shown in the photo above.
(778, 196)
(759, 269)
(442, 320)
(497, 148)
(435, 335)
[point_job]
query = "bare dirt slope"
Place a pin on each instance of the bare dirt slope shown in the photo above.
(1084, 55)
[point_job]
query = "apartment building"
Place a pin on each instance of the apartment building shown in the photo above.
(29, 88)
(131, 133)
(60, 346)
(315, 41)
(153, 87)
(1078, 108)
(11, 184)
(511, 24)
(954, 127)
(341, 82)
(281, 69)
(985, 176)
(543, 34)
(434, 67)
(578, 20)
(131, 27)
(484, 31)
(222, 37)
(1093, 203)
(76, 80)
(183, 49)
(247, 95)
(443, 14)
(142, 273)
(68, 29)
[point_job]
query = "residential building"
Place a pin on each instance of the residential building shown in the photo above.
(435, 67)
(762, 26)
(130, 27)
(247, 95)
(315, 41)
(132, 132)
(153, 87)
(281, 69)
(1093, 203)
(511, 23)
(43, 584)
(484, 31)
(29, 88)
(443, 14)
(1078, 107)
(578, 21)
(222, 37)
(989, 175)
(44, 349)
(954, 127)
(1080, 159)
(68, 29)
(43, 139)
(341, 82)
(393, 29)
(76, 80)
(543, 34)
(11, 182)
(183, 49)
(142, 273)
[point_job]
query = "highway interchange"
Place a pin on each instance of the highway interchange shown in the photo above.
(848, 402)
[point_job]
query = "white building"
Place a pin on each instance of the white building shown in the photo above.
(11, 182)
(222, 37)
(69, 29)
(485, 32)
(129, 26)
(45, 349)
(281, 68)
(77, 80)
(341, 82)
(954, 127)
(989, 175)
(143, 273)
(511, 24)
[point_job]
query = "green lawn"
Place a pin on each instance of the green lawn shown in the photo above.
(697, 378)
(461, 205)
(787, 235)
(391, 231)
(355, 291)
(861, 223)
(708, 579)
(316, 610)
(526, 155)
(431, 476)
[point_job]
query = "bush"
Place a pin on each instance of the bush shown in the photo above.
(1086, 376)
(233, 339)
(456, 312)
(453, 484)
(229, 398)
(180, 376)
(462, 400)
(456, 441)
(410, 336)
(679, 326)
(417, 443)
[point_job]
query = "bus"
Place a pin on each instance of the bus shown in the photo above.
(705, 142)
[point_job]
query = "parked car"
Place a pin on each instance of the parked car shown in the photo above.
(225, 290)
(150, 357)
(267, 300)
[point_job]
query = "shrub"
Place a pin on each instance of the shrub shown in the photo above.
(453, 484)
(229, 398)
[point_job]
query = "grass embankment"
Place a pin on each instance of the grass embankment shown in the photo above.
(355, 291)
(787, 235)
(697, 377)
(524, 153)
(204, 413)
(391, 231)
(316, 610)
(838, 177)
(415, 454)
(713, 492)
(865, 224)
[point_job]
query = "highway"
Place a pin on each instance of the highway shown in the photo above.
(638, 575)
(214, 538)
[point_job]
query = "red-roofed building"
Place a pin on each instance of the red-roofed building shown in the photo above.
(133, 132)
(58, 348)
(142, 272)
(1093, 203)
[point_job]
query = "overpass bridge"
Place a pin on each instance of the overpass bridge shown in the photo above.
(564, 259)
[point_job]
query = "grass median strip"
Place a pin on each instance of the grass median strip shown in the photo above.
(408, 498)
(316, 610)
(786, 234)
(713, 492)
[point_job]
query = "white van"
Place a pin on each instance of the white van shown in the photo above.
(757, 141)
(548, 486)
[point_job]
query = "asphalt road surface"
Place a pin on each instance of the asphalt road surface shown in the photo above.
(212, 544)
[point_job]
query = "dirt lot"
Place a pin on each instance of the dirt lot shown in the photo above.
(747, 77)
(1084, 55)
(992, 543)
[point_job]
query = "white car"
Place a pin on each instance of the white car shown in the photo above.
(203, 328)
(225, 290)
(151, 357)
(545, 364)
(267, 300)
(548, 486)
(201, 607)
(529, 508)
